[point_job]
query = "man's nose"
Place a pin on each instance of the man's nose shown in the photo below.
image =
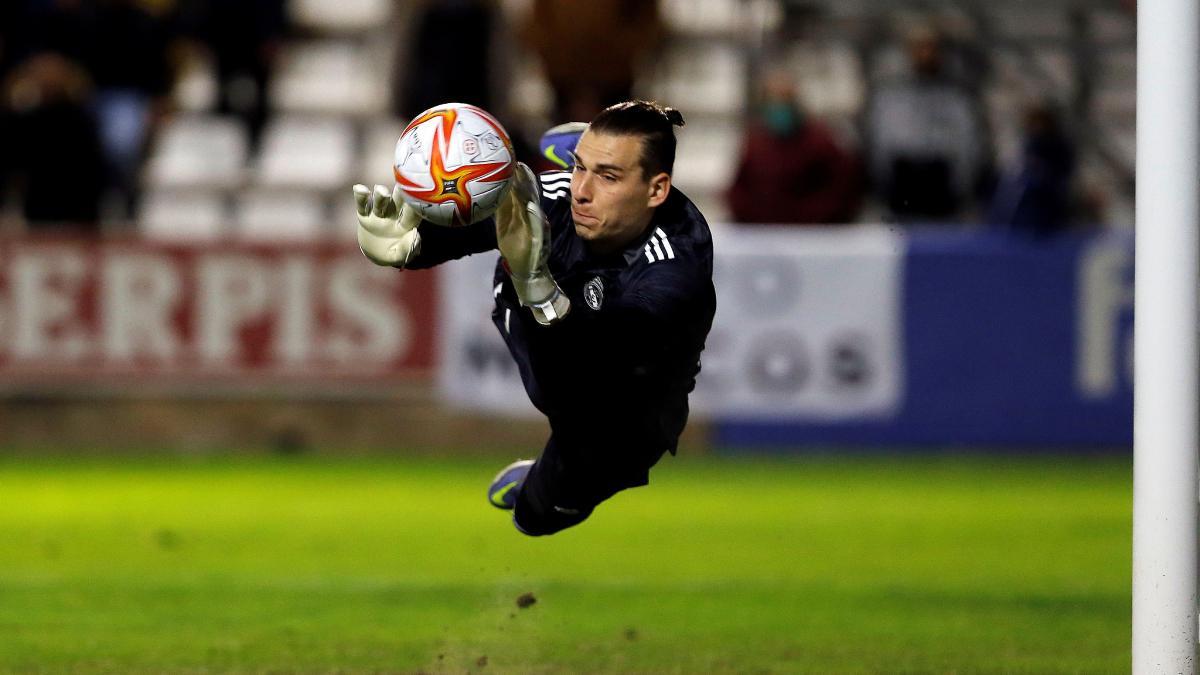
(581, 189)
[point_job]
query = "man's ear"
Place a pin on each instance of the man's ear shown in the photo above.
(659, 188)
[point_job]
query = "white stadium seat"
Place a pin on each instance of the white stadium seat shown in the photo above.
(829, 77)
(700, 79)
(268, 215)
(706, 156)
(342, 16)
(720, 17)
(331, 76)
(199, 151)
(306, 153)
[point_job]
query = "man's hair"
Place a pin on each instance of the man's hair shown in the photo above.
(654, 123)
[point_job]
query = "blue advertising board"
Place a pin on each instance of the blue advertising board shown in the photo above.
(1006, 341)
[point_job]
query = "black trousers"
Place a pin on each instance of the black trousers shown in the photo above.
(573, 476)
(594, 451)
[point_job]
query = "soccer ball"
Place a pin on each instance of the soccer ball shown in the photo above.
(453, 164)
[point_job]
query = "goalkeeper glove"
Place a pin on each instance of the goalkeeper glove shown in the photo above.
(523, 236)
(387, 227)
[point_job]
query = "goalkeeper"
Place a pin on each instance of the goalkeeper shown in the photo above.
(604, 297)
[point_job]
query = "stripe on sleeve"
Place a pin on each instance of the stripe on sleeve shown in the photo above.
(658, 252)
(666, 244)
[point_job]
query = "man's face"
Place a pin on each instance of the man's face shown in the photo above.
(612, 200)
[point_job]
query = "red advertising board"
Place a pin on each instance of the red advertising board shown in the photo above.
(132, 312)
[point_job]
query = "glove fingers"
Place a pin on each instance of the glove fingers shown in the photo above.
(409, 218)
(381, 202)
(362, 199)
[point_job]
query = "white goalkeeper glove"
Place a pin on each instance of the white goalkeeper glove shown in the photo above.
(523, 236)
(387, 227)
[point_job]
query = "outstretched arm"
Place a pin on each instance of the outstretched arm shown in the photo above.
(523, 236)
(392, 234)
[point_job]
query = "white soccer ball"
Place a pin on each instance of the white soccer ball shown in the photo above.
(453, 163)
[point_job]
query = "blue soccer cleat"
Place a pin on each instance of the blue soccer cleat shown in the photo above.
(502, 493)
(558, 143)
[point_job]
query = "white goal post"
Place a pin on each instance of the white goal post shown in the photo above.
(1165, 327)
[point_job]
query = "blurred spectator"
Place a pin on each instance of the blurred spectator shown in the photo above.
(927, 146)
(1034, 195)
(131, 70)
(426, 82)
(244, 37)
(590, 50)
(792, 170)
(124, 49)
(54, 150)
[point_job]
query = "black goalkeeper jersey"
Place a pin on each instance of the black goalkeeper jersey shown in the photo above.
(620, 367)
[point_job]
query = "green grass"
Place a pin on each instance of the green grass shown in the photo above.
(863, 565)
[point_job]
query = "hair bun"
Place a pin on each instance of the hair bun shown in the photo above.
(673, 116)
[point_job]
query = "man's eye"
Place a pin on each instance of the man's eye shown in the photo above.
(610, 178)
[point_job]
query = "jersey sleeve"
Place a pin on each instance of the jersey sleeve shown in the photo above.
(441, 244)
(555, 188)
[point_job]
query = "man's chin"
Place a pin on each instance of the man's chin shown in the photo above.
(583, 231)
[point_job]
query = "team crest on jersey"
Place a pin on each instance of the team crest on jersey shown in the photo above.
(593, 293)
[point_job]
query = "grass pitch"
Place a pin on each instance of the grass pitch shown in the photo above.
(861, 565)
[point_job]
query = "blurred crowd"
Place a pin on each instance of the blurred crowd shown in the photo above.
(86, 84)
(925, 156)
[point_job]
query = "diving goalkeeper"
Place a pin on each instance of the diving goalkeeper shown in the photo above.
(604, 296)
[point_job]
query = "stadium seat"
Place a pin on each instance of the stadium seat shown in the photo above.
(706, 157)
(343, 16)
(700, 78)
(331, 76)
(829, 77)
(379, 151)
(720, 17)
(306, 153)
(182, 215)
(204, 151)
(269, 215)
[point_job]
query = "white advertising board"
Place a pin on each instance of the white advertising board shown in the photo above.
(808, 326)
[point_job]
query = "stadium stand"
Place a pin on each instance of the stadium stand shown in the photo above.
(334, 123)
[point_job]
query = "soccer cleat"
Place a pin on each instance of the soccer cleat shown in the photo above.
(502, 493)
(558, 144)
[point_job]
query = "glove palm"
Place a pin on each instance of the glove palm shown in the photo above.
(387, 227)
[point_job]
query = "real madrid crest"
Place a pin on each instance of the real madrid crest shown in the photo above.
(593, 293)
